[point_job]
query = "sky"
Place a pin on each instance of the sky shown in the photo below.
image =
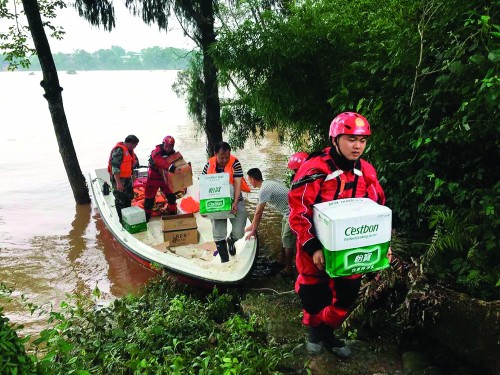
(131, 33)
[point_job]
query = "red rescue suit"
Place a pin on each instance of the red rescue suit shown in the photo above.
(158, 161)
(320, 179)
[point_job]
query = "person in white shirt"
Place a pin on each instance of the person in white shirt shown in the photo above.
(276, 194)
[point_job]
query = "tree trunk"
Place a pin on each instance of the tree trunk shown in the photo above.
(53, 95)
(213, 126)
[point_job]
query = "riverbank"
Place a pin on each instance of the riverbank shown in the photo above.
(254, 327)
(272, 300)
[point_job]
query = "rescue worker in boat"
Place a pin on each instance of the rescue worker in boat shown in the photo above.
(335, 173)
(224, 162)
(122, 161)
(162, 159)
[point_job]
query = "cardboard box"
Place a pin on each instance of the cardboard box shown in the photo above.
(181, 237)
(355, 234)
(215, 196)
(134, 219)
(180, 229)
(178, 222)
(180, 180)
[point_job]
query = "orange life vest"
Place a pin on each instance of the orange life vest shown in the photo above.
(127, 162)
(212, 168)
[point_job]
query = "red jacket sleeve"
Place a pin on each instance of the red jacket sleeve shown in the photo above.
(373, 187)
(301, 198)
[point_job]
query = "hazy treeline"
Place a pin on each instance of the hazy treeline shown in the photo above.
(117, 58)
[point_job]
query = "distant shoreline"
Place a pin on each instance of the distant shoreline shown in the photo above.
(116, 58)
(89, 70)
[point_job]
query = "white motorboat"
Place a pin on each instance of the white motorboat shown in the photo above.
(197, 261)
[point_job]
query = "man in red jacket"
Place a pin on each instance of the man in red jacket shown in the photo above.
(162, 158)
(335, 173)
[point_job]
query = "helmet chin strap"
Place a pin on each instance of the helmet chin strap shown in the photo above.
(348, 163)
(335, 144)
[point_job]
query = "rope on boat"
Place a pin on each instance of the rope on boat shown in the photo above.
(270, 290)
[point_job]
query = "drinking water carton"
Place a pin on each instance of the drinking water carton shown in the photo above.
(355, 234)
(215, 196)
(134, 219)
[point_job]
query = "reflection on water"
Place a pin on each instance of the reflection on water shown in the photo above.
(49, 246)
(125, 274)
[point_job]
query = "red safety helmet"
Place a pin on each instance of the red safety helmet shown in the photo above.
(296, 160)
(349, 123)
(169, 140)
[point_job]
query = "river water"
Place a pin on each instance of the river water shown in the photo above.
(49, 246)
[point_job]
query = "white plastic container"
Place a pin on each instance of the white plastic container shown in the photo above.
(134, 219)
(133, 215)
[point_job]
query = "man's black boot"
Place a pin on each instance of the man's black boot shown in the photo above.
(334, 344)
(222, 249)
(230, 244)
(314, 344)
(148, 206)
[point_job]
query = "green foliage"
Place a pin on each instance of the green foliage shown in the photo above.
(157, 332)
(190, 85)
(14, 41)
(13, 357)
(425, 73)
(455, 254)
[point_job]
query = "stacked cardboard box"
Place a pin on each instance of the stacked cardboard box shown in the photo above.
(180, 229)
(134, 219)
(355, 234)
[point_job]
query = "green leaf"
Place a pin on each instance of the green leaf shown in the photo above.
(477, 59)
(360, 104)
(456, 67)
(494, 55)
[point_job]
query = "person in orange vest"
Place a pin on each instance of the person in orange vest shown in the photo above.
(121, 163)
(161, 159)
(224, 162)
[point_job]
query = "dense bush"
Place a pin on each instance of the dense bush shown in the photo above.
(13, 357)
(158, 332)
(425, 73)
